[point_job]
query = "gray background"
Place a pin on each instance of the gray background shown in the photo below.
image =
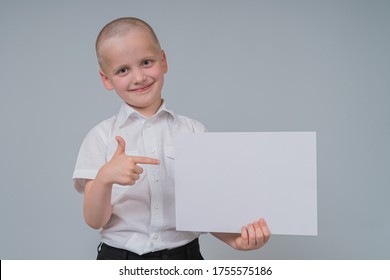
(234, 65)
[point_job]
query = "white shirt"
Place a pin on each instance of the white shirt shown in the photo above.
(143, 215)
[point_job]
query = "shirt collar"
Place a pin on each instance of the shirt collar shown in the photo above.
(127, 112)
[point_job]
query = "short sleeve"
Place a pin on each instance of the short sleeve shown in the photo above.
(91, 157)
(185, 124)
(199, 127)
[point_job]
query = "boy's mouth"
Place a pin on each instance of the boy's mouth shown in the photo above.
(141, 89)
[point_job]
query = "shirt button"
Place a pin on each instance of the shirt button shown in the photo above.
(155, 236)
(155, 179)
(148, 124)
(156, 206)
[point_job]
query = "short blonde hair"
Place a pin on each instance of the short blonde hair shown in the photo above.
(119, 27)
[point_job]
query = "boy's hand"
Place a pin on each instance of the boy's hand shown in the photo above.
(123, 169)
(253, 236)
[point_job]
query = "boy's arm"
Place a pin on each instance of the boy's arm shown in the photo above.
(253, 236)
(97, 203)
(122, 170)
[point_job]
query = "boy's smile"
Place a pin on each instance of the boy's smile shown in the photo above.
(134, 66)
(141, 89)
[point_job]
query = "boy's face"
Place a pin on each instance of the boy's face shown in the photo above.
(134, 66)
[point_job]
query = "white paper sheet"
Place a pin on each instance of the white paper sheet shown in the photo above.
(227, 180)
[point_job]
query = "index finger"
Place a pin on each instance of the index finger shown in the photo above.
(145, 160)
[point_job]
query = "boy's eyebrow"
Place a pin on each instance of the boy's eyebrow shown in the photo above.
(149, 57)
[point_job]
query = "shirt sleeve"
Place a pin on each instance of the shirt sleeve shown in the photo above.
(199, 127)
(92, 156)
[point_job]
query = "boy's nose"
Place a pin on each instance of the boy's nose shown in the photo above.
(138, 76)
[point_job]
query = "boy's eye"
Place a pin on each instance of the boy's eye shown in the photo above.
(147, 62)
(123, 71)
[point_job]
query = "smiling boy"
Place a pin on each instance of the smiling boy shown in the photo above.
(125, 164)
(134, 65)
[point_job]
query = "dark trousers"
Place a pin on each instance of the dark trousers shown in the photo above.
(189, 251)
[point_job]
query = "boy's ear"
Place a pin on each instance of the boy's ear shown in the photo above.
(164, 62)
(106, 82)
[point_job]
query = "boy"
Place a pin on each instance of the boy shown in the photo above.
(125, 164)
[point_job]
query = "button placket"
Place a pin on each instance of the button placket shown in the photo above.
(156, 219)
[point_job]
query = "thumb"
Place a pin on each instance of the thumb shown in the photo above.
(121, 146)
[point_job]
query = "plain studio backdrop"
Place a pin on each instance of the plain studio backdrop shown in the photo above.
(235, 66)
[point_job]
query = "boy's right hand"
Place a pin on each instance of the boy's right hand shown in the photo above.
(123, 169)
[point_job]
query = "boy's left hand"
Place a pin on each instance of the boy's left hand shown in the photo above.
(253, 236)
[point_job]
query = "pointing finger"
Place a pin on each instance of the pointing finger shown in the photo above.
(146, 160)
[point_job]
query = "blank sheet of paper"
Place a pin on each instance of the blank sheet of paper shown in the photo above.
(226, 180)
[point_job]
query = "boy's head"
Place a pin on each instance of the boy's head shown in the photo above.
(120, 27)
(132, 63)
